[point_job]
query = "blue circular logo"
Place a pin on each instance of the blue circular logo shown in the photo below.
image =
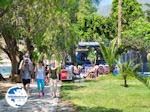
(16, 96)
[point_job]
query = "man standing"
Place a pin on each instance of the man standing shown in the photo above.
(26, 70)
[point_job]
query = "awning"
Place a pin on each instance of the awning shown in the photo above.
(78, 49)
(90, 44)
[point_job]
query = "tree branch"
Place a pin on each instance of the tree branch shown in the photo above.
(5, 50)
(2, 11)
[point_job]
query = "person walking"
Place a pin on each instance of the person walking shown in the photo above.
(53, 76)
(40, 76)
(26, 69)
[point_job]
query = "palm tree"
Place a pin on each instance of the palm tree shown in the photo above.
(119, 21)
(127, 69)
(110, 53)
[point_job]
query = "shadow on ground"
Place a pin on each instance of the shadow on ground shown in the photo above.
(3, 91)
(72, 87)
(1, 96)
(67, 106)
(91, 80)
(66, 88)
(96, 109)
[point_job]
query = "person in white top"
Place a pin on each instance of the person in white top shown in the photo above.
(40, 76)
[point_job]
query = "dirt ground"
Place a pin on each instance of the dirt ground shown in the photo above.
(4, 85)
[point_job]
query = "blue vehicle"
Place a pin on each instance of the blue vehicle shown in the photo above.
(83, 50)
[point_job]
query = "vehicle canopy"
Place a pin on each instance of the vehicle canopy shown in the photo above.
(83, 50)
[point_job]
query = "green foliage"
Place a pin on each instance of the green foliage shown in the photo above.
(58, 34)
(106, 95)
(37, 56)
(55, 26)
(110, 53)
(95, 28)
(5, 3)
(135, 28)
(84, 27)
(144, 80)
(92, 55)
(127, 69)
(131, 10)
(85, 8)
(64, 31)
(24, 18)
(138, 35)
(147, 12)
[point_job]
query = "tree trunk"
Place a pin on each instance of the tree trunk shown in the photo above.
(125, 80)
(14, 57)
(119, 21)
(64, 56)
(11, 49)
(30, 47)
(72, 54)
(15, 63)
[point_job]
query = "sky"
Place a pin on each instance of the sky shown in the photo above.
(104, 6)
(106, 2)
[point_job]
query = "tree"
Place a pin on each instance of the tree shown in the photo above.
(92, 55)
(144, 80)
(83, 26)
(8, 33)
(40, 27)
(119, 21)
(131, 10)
(126, 11)
(64, 34)
(4, 6)
(59, 35)
(110, 53)
(23, 20)
(137, 36)
(147, 12)
(134, 35)
(127, 69)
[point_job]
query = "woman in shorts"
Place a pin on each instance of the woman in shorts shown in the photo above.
(53, 76)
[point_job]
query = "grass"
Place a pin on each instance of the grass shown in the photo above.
(106, 94)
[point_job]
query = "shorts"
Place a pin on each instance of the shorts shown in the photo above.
(53, 76)
(26, 81)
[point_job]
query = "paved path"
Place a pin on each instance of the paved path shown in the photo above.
(34, 103)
